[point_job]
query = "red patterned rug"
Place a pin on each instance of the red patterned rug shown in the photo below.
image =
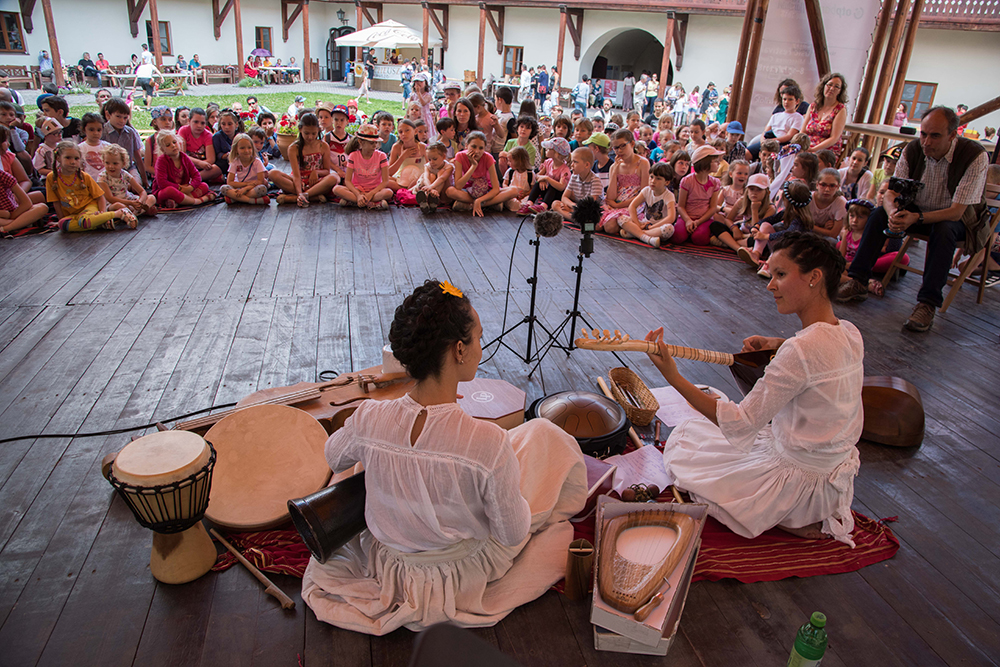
(724, 555)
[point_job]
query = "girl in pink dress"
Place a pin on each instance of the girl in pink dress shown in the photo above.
(422, 96)
(629, 175)
(367, 183)
(312, 176)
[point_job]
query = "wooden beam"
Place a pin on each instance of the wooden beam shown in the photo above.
(978, 112)
(680, 37)
(667, 45)
(878, 43)
(440, 23)
(50, 28)
(818, 32)
(287, 20)
(752, 59)
(496, 25)
(888, 62)
(482, 43)
(427, 32)
(238, 17)
(367, 14)
(904, 62)
(306, 55)
(154, 20)
(135, 10)
(27, 9)
(562, 40)
(219, 15)
(575, 30)
(741, 63)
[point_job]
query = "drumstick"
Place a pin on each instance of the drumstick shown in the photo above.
(269, 587)
(631, 431)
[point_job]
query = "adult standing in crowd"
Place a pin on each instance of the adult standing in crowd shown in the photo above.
(524, 91)
(581, 94)
(406, 81)
(639, 93)
(827, 115)
(652, 90)
(949, 209)
(542, 87)
(554, 79)
(628, 88)
(709, 98)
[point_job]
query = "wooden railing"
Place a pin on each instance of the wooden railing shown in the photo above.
(962, 14)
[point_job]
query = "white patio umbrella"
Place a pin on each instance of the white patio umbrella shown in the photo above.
(387, 35)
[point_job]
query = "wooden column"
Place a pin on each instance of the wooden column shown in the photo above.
(888, 63)
(818, 33)
(746, 95)
(427, 34)
(741, 63)
(154, 18)
(361, 17)
(238, 19)
(50, 28)
(562, 40)
(978, 112)
(482, 43)
(307, 65)
(904, 62)
(878, 43)
(665, 63)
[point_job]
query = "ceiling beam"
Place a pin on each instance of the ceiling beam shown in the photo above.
(680, 37)
(27, 8)
(219, 16)
(288, 20)
(440, 23)
(575, 29)
(135, 10)
(496, 25)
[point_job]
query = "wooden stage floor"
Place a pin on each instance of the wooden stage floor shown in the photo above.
(106, 330)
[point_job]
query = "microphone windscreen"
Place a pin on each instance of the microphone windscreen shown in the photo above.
(588, 212)
(548, 223)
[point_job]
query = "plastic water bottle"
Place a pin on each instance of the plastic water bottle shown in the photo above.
(810, 643)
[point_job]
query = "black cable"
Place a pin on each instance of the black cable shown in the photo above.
(510, 271)
(116, 431)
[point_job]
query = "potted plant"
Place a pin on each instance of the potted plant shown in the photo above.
(288, 132)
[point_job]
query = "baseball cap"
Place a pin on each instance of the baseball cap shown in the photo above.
(735, 127)
(558, 144)
(451, 85)
(598, 138)
(759, 181)
(299, 98)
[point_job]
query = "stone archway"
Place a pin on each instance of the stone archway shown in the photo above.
(624, 50)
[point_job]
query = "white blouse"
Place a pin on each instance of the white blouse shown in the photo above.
(460, 479)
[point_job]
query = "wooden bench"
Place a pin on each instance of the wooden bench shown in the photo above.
(20, 74)
(222, 73)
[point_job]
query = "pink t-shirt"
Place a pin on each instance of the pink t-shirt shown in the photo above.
(560, 174)
(482, 169)
(243, 174)
(195, 146)
(367, 172)
(699, 196)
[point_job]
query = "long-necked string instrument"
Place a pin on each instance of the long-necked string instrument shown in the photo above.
(746, 367)
(639, 550)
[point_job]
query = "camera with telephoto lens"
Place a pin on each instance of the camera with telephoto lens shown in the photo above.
(906, 190)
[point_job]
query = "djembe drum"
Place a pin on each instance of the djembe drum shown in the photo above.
(165, 479)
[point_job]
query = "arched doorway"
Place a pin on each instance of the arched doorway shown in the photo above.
(336, 56)
(624, 50)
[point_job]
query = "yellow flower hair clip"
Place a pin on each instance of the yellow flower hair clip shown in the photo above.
(448, 288)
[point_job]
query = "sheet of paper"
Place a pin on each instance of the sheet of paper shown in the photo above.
(673, 408)
(642, 466)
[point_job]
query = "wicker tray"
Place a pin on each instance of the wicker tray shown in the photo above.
(626, 379)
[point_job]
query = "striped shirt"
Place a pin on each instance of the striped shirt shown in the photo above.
(578, 188)
(934, 196)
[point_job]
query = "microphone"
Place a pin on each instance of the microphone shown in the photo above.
(548, 224)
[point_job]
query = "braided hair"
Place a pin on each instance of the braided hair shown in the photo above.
(810, 251)
(426, 324)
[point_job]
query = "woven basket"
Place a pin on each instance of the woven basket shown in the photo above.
(624, 378)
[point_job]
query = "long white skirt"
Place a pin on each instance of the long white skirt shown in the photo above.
(751, 492)
(372, 588)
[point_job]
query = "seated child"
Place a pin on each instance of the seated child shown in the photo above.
(856, 177)
(527, 130)
(476, 182)
(259, 140)
(517, 180)
(162, 120)
(552, 179)
(17, 211)
(765, 163)
(699, 198)
(13, 167)
(680, 164)
(828, 206)
(78, 199)
(181, 116)
(827, 159)
(197, 145)
(447, 130)
(19, 139)
(879, 176)
(858, 211)
(178, 181)
(583, 183)
(600, 144)
(118, 131)
(45, 157)
(338, 139)
(385, 124)
(629, 175)
(230, 125)
(720, 168)
(313, 176)
(646, 136)
(582, 131)
(562, 126)
(794, 216)
(743, 219)
(247, 178)
(56, 107)
(267, 122)
(367, 183)
(406, 160)
(121, 188)
(437, 176)
(653, 211)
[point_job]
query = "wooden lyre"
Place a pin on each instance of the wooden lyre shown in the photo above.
(746, 367)
(629, 585)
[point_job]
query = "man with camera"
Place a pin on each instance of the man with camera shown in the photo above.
(949, 208)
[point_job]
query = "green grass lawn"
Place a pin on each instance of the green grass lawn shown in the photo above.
(277, 102)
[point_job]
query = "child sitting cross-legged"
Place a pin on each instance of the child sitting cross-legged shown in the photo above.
(162, 121)
(17, 211)
(367, 183)
(178, 181)
(794, 216)
(77, 198)
(629, 175)
(858, 211)
(743, 218)
(13, 166)
(259, 139)
(44, 160)
(583, 183)
(247, 178)
(653, 211)
(230, 125)
(197, 145)
(312, 174)
(526, 129)
(517, 180)
(436, 177)
(476, 182)
(552, 178)
(121, 188)
(406, 159)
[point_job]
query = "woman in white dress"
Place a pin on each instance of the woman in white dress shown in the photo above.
(785, 455)
(465, 520)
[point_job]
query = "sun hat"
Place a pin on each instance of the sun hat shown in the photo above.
(368, 132)
(558, 144)
(703, 152)
(598, 138)
(453, 84)
(735, 127)
(894, 153)
(325, 106)
(759, 181)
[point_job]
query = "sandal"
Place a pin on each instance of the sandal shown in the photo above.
(875, 287)
(129, 217)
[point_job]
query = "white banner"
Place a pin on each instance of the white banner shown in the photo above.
(787, 51)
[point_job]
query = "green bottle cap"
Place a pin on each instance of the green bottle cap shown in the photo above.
(818, 619)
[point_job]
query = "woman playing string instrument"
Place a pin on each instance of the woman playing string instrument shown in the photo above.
(785, 455)
(465, 520)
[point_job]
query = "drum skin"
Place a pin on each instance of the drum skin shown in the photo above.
(598, 423)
